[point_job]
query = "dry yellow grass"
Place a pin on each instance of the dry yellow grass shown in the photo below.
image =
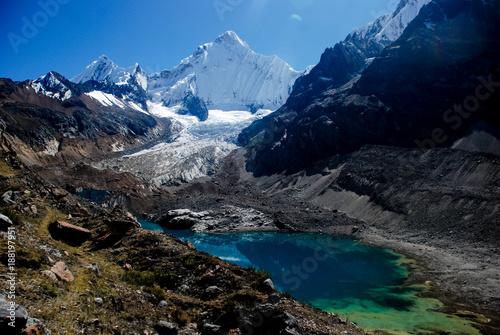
(6, 170)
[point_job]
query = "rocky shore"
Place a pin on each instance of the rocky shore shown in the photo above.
(84, 269)
(460, 267)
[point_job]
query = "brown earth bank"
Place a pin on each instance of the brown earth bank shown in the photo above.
(103, 274)
(439, 207)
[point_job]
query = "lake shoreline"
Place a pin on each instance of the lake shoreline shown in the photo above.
(463, 279)
(464, 271)
(466, 279)
(388, 303)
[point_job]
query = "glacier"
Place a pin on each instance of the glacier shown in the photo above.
(198, 150)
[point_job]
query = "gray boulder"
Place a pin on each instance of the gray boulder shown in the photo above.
(12, 314)
(7, 198)
(210, 329)
(269, 285)
(163, 304)
(182, 222)
(5, 222)
(166, 328)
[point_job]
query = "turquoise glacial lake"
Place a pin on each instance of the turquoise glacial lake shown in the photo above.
(362, 283)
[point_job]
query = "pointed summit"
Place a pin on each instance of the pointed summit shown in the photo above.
(230, 37)
(227, 75)
(104, 69)
(100, 69)
(53, 85)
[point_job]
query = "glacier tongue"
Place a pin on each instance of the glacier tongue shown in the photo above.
(197, 152)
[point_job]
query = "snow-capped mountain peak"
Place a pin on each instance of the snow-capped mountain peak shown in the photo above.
(226, 74)
(388, 27)
(104, 69)
(100, 69)
(230, 37)
(53, 85)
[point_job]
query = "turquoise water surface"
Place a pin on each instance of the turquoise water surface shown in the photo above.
(362, 283)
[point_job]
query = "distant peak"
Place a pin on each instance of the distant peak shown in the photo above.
(103, 59)
(230, 37)
(49, 75)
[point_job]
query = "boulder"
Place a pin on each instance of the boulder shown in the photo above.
(163, 304)
(121, 227)
(166, 328)
(59, 193)
(273, 298)
(182, 222)
(5, 222)
(7, 198)
(210, 329)
(181, 219)
(291, 326)
(61, 271)
(69, 233)
(12, 312)
(269, 285)
(178, 212)
(212, 291)
(36, 329)
(95, 267)
(49, 274)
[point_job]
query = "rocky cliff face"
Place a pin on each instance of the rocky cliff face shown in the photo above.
(65, 123)
(426, 89)
(349, 58)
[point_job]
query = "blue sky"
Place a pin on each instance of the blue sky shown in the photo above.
(67, 35)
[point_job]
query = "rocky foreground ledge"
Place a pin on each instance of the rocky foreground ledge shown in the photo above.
(81, 269)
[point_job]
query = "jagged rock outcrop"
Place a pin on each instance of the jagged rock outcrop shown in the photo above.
(194, 106)
(420, 91)
(347, 59)
(125, 83)
(43, 128)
